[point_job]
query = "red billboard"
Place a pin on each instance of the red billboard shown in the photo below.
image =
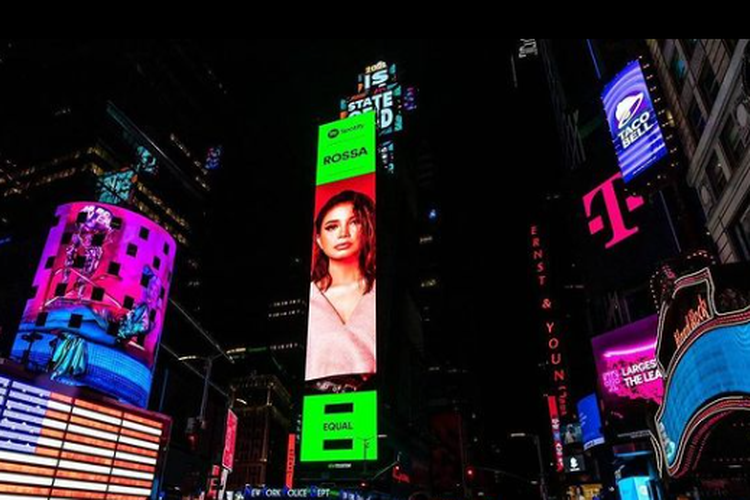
(230, 440)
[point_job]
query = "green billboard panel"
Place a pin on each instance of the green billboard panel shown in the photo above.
(346, 148)
(340, 427)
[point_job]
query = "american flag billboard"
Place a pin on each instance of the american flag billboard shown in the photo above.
(54, 446)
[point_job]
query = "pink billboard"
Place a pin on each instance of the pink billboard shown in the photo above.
(98, 300)
(629, 377)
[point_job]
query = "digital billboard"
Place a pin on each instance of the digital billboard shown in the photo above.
(635, 488)
(703, 350)
(95, 313)
(630, 382)
(56, 446)
(230, 441)
(633, 122)
(341, 343)
(379, 92)
(591, 422)
(340, 427)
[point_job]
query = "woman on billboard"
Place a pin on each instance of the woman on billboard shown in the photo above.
(341, 333)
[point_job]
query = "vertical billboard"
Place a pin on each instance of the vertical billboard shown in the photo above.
(341, 424)
(633, 122)
(56, 446)
(95, 313)
(230, 441)
(341, 339)
(703, 350)
(630, 381)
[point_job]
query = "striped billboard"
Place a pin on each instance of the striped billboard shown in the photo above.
(54, 446)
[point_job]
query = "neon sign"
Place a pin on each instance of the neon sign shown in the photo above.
(551, 324)
(608, 192)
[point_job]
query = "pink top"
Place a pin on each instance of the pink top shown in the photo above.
(338, 348)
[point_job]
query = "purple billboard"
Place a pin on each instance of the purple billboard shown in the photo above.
(630, 382)
(633, 123)
(94, 316)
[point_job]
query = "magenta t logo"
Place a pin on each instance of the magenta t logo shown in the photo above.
(620, 231)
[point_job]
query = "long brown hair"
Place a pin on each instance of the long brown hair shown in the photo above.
(364, 208)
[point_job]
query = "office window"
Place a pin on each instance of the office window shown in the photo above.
(734, 141)
(716, 176)
(689, 45)
(678, 66)
(696, 118)
(708, 84)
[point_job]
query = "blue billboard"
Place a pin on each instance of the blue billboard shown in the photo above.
(703, 349)
(632, 121)
(591, 422)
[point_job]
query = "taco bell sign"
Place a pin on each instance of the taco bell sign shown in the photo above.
(632, 121)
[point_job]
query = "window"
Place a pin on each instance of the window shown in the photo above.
(708, 84)
(678, 68)
(733, 140)
(689, 45)
(132, 250)
(696, 118)
(742, 232)
(716, 177)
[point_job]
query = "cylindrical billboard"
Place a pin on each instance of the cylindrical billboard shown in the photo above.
(95, 313)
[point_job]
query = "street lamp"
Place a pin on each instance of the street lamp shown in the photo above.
(535, 439)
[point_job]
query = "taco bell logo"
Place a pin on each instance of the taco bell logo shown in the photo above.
(631, 124)
(614, 215)
(627, 109)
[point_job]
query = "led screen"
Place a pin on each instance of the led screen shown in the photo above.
(56, 446)
(630, 381)
(591, 423)
(98, 301)
(633, 122)
(340, 427)
(341, 345)
(704, 345)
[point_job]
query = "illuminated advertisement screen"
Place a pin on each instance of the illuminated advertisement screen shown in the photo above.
(230, 440)
(340, 427)
(341, 342)
(630, 381)
(378, 92)
(635, 488)
(98, 300)
(704, 350)
(56, 446)
(591, 422)
(346, 148)
(633, 122)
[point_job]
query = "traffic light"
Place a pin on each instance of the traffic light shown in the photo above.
(470, 473)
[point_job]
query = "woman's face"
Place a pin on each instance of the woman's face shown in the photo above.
(341, 233)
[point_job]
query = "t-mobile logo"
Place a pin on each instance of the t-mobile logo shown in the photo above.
(608, 191)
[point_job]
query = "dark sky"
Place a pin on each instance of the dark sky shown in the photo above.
(492, 145)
